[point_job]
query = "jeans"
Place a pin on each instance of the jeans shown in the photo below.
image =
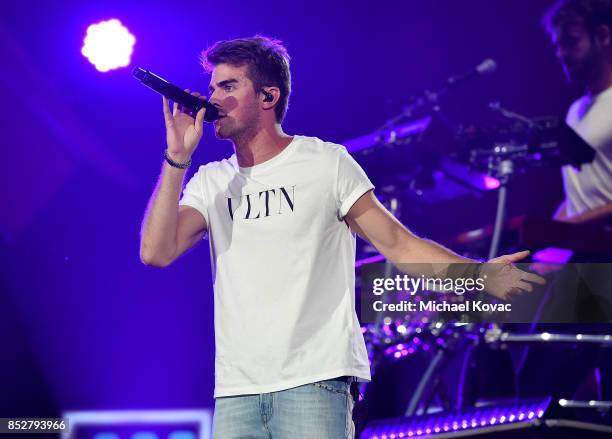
(321, 410)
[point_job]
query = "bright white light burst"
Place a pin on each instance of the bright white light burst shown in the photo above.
(108, 45)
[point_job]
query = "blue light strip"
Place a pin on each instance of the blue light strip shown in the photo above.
(469, 419)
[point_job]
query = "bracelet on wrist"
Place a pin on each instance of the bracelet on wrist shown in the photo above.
(176, 164)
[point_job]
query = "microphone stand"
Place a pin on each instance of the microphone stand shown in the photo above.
(503, 171)
(430, 99)
(424, 101)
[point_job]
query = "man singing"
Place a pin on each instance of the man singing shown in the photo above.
(280, 214)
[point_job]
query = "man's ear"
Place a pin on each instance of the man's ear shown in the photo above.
(270, 96)
(603, 35)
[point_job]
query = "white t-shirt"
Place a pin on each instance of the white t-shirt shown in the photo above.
(283, 267)
(591, 186)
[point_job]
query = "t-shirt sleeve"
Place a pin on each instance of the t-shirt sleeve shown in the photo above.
(194, 194)
(351, 182)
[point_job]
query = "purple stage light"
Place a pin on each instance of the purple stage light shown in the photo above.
(108, 45)
(476, 418)
(491, 182)
(553, 255)
(530, 415)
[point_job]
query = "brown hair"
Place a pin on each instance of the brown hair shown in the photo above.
(267, 61)
(590, 13)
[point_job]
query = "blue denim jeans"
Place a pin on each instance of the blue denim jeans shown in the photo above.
(321, 410)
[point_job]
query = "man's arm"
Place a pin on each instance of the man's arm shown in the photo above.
(561, 212)
(601, 213)
(168, 230)
(370, 220)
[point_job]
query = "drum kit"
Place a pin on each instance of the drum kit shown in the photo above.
(422, 364)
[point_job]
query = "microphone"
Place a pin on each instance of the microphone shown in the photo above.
(174, 93)
(487, 67)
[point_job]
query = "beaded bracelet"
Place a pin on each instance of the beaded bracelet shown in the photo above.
(176, 164)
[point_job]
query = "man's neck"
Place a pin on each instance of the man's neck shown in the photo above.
(600, 82)
(261, 146)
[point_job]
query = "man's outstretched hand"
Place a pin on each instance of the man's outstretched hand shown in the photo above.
(503, 279)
